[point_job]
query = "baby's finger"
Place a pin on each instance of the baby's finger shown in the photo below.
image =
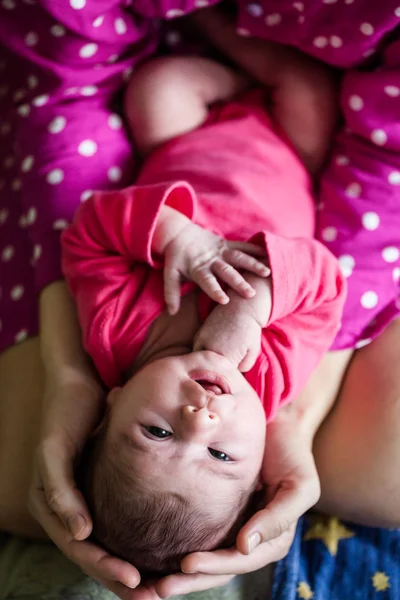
(241, 260)
(222, 562)
(172, 289)
(248, 248)
(233, 278)
(186, 584)
(209, 284)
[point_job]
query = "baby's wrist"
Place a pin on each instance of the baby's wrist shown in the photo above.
(259, 306)
(169, 225)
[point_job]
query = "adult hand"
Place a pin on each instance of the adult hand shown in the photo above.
(292, 487)
(72, 404)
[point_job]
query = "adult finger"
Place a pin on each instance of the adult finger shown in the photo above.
(231, 560)
(185, 584)
(207, 281)
(241, 260)
(248, 248)
(53, 491)
(288, 504)
(172, 289)
(233, 278)
(140, 593)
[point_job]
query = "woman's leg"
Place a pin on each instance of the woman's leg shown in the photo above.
(357, 448)
(21, 390)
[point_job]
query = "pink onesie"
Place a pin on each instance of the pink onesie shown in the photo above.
(231, 177)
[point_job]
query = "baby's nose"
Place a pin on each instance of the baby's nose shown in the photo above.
(199, 418)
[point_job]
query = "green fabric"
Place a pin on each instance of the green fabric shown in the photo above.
(39, 571)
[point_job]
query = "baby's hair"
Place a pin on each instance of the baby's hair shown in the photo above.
(153, 530)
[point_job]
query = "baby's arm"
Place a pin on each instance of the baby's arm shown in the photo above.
(170, 96)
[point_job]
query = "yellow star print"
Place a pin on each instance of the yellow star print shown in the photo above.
(330, 531)
(380, 581)
(304, 591)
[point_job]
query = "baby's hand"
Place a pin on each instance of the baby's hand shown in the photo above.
(233, 331)
(205, 258)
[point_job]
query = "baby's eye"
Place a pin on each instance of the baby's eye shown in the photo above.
(219, 455)
(158, 432)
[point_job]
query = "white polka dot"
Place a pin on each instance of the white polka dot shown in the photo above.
(98, 22)
(255, 10)
(58, 30)
(27, 163)
(336, 41)
(37, 252)
(89, 90)
(394, 178)
(356, 102)
(347, 264)
(32, 81)
(120, 26)
(342, 160)
(273, 19)
(114, 121)
(369, 299)
(60, 224)
(366, 29)
(9, 162)
(5, 128)
(362, 343)
(320, 42)
(7, 253)
(22, 221)
(3, 215)
(24, 110)
(113, 58)
(396, 274)
(392, 90)
(127, 73)
(87, 148)
(31, 215)
(172, 38)
(114, 173)
(353, 190)
(298, 6)
(173, 13)
(31, 39)
(77, 4)
(19, 94)
(397, 11)
(57, 125)
(369, 52)
(21, 336)
(17, 292)
(243, 32)
(390, 254)
(86, 195)
(8, 4)
(71, 90)
(329, 234)
(55, 176)
(40, 100)
(201, 3)
(16, 185)
(88, 50)
(301, 19)
(348, 1)
(379, 137)
(370, 220)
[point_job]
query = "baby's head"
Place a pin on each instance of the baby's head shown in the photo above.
(173, 466)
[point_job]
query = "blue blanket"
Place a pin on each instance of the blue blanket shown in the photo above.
(334, 560)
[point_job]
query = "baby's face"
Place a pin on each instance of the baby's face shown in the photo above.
(191, 424)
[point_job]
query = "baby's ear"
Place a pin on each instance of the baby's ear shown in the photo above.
(113, 396)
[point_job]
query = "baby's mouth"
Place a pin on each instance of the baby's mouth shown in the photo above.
(211, 382)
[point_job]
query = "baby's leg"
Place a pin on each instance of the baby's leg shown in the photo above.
(170, 96)
(357, 449)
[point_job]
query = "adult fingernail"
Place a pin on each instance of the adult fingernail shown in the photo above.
(253, 541)
(131, 582)
(76, 525)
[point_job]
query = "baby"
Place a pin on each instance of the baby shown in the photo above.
(173, 466)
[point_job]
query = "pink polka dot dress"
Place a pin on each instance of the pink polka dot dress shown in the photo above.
(63, 67)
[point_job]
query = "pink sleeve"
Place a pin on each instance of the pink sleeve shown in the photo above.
(308, 295)
(359, 217)
(110, 234)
